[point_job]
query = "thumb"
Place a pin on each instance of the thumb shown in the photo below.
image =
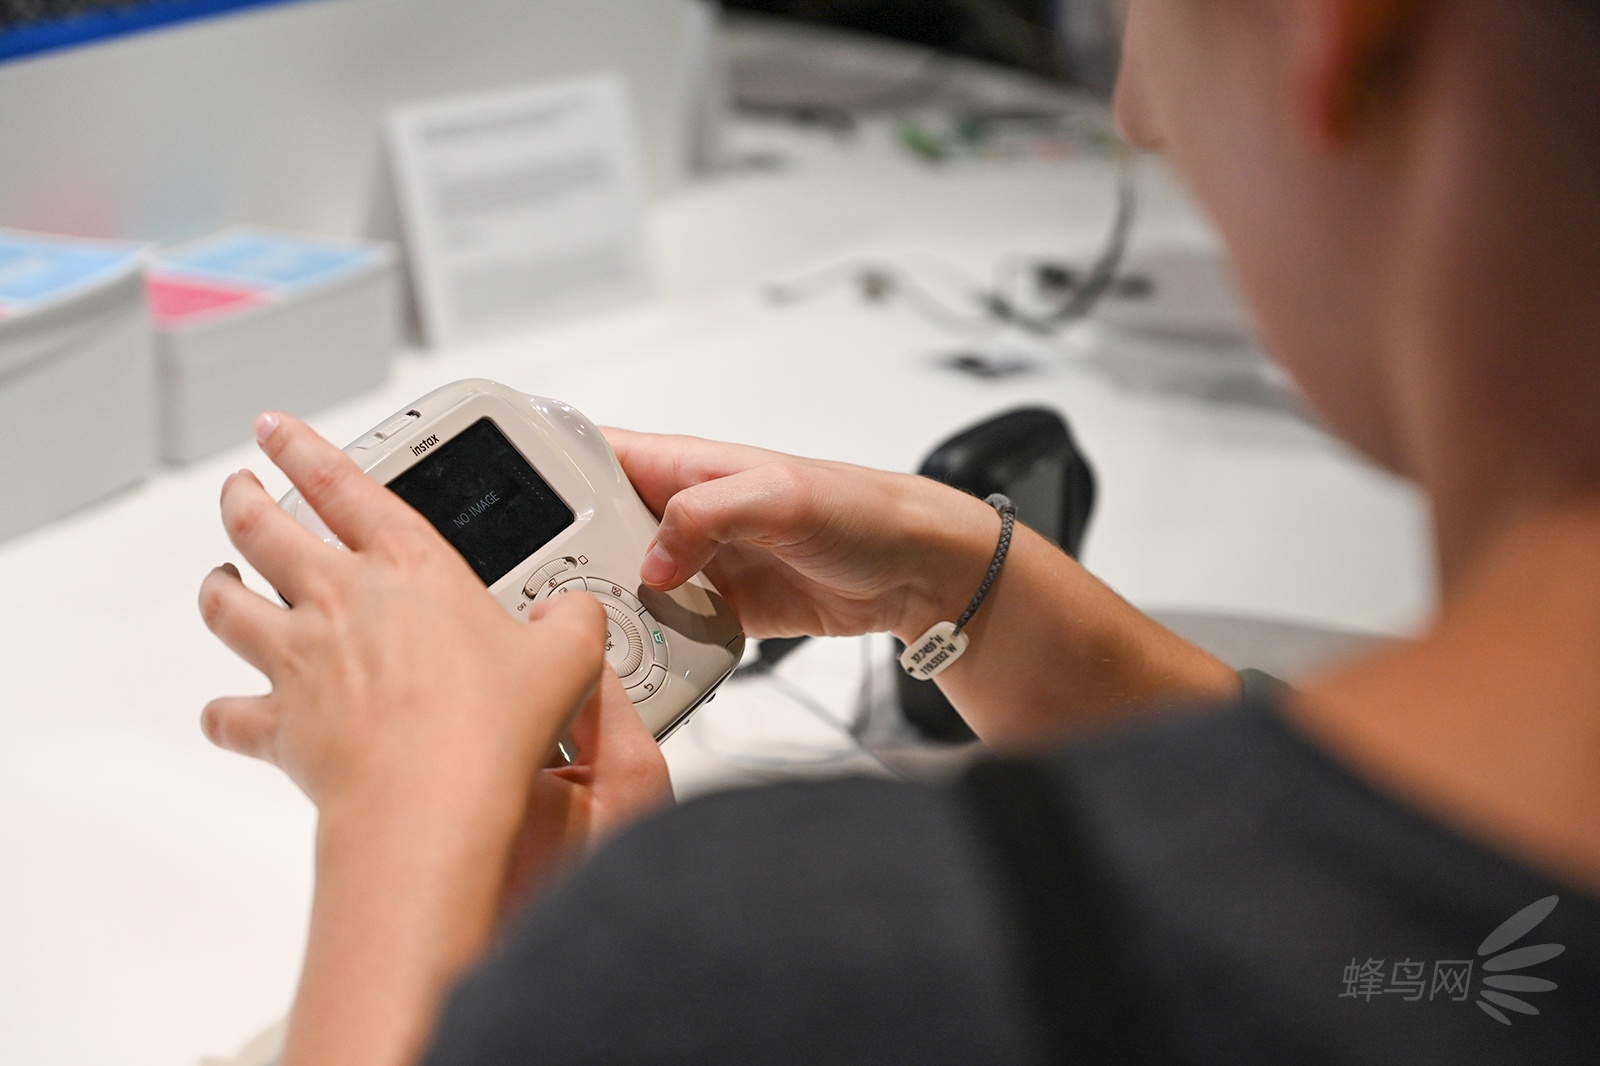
(770, 505)
(565, 644)
(618, 761)
(246, 725)
(609, 732)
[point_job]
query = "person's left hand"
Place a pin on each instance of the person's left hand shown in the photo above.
(400, 689)
(419, 716)
(617, 775)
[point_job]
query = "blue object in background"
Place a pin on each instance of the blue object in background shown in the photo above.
(254, 259)
(34, 271)
(50, 35)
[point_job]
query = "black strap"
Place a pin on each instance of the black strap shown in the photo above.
(1060, 915)
(1008, 518)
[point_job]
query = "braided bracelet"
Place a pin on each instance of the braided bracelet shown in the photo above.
(934, 651)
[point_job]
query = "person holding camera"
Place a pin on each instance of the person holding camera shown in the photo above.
(1410, 190)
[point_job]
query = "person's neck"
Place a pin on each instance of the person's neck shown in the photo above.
(1491, 311)
(1490, 721)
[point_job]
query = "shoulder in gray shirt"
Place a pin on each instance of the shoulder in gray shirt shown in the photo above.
(1203, 888)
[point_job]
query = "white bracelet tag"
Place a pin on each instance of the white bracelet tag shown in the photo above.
(934, 651)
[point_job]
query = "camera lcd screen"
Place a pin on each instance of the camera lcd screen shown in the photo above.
(483, 496)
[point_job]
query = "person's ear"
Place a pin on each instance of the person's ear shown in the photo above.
(1353, 54)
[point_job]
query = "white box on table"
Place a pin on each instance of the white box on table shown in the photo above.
(77, 383)
(252, 320)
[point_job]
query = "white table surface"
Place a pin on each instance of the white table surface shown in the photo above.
(153, 891)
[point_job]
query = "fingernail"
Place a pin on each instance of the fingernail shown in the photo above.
(229, 480)
(229, 568)
(266, 425)
(658, 567)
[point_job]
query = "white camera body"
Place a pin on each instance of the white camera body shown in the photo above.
(531, 495)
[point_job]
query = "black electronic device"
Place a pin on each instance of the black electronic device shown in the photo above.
(1029, 455)
(1065, 40)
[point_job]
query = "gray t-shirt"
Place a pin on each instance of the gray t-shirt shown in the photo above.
(1202, 888)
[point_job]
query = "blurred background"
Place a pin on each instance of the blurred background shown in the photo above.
(195, 113)
(1066, 40)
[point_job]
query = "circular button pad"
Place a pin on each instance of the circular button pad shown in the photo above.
(636, 645)
(624, 642)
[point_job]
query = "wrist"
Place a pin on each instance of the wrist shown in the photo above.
(952, 539)
(406, 897)
(435, 834)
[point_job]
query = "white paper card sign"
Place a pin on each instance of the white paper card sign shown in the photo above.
(520, 207)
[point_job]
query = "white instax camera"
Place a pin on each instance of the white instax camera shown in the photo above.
(530, 493)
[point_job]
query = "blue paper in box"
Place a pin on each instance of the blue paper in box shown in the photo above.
(76, 375)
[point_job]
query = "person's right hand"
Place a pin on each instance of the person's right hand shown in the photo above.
(803, 546)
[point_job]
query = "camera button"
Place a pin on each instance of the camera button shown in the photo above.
(395, 426)
(655, 638)
(618, 593)
(613, 591)
(544, 578)
(650, 685)
(624, 642)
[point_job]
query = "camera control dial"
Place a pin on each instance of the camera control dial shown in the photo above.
(636, 646)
